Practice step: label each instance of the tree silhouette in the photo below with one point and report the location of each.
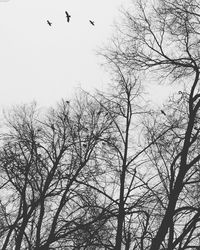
(106, 171)
(41, 168)
(164, 38)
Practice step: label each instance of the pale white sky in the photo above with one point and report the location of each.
(43, 63)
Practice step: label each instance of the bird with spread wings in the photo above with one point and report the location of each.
(49, 23)
(67, 16)
(92, 22)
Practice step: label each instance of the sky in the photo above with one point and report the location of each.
(45, 64)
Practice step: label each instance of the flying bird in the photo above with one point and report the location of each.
(92, 22)
(49, 23)
(163, 112)
(67, 16)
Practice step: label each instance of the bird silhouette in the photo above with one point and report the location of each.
(163, 112)
(67, 16)
(49, 23)
(67, 102)
(92, 22)
(52, 127)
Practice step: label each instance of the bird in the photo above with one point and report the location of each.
(92, 22)
(163, 112)
(52, 127)
(67, 102)
(68, 16)
(49, 23)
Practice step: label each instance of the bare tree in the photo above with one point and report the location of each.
(43, 162)
(103, 171)
(164, 36)
(124, 105)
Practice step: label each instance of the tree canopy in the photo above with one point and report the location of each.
(106, 171)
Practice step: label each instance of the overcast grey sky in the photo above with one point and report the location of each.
(46, 63)
(43, 63)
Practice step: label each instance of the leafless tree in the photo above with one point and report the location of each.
(104, 171)
(124, 105)
(43, 163)
(162, 37)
